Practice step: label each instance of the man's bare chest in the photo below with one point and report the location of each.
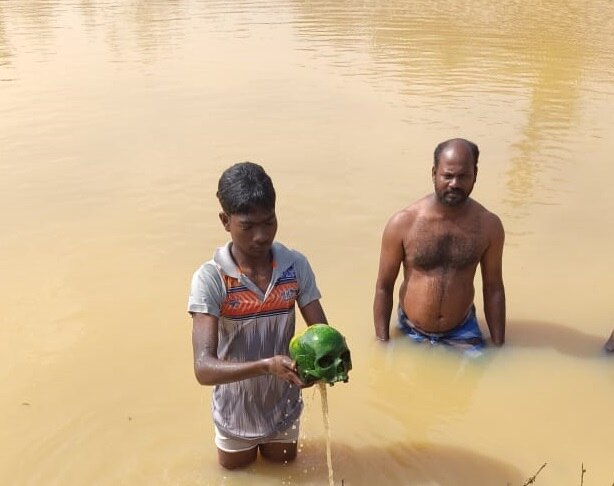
(432, 246)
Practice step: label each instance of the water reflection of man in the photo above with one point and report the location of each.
(440, 240)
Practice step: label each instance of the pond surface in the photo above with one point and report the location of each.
(116, 119)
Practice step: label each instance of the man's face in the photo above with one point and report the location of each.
(454, 175)
(252, 233)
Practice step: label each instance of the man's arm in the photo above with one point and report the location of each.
(492, 280)
(210, 370)
(313, 313)
(391, 256)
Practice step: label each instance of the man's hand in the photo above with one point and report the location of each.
(283, 367)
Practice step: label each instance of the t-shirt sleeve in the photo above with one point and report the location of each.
(308, 290)
(207, 291)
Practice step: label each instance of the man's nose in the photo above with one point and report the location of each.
(454, 182)
(261, 235)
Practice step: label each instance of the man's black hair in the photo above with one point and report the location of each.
(475, 151)
(244, 187)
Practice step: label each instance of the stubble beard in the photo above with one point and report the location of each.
(459, 197)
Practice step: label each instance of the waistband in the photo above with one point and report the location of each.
(404, 321)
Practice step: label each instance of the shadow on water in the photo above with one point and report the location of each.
(566, 340)
(410, 463)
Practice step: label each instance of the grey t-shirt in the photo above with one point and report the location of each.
(254, 325)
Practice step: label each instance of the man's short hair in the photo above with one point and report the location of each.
(244, 187)
(475, 151)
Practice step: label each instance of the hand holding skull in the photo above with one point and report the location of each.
(283, 367)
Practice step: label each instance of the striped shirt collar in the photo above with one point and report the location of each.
(282, 258)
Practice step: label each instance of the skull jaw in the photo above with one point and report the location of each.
(329, 378)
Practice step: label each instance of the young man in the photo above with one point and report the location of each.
(242, 304)
(439, 241)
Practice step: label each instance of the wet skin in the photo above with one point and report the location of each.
(252, 237)
(439, 242)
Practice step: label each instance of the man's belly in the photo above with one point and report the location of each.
(437, 306)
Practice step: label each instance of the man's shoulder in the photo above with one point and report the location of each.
(408, 214)
(285, 256)
(207, 270)
(489, 219)
(485, 212)
(290, 262)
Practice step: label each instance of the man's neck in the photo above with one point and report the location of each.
(247, 263)
(450, 212)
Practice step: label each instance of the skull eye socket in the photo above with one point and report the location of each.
(345, 361)
(325, 361)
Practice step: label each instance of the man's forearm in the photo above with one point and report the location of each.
(382, 309)
(211, 371)
(494, 310)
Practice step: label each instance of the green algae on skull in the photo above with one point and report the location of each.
(321, 354)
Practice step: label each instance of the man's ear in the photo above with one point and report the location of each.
(225, 219)
(475, 174)
(433, 171)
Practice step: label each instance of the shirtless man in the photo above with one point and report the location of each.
(440, 240)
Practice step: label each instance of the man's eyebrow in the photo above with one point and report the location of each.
(265, 220)
(251, 221)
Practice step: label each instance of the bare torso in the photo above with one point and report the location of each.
(441, 254)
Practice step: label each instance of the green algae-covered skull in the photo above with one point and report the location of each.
(321, 354)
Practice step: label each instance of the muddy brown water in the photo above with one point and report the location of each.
(116, 118)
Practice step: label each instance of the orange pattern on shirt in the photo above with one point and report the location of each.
(242, 303)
